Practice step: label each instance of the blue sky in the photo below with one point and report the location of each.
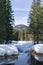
(21, 10)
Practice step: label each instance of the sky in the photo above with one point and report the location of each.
(21, 10)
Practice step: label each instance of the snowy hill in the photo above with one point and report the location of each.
(21, 26)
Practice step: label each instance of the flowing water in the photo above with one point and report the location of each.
(22, 59)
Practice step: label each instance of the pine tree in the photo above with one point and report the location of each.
(41, 24)
(35, 19)
(2, 20)
(9, 20)
(6, 20)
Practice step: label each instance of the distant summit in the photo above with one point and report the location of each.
(21, 26)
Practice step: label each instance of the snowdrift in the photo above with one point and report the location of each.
(8, 49)
(38, 48)
(37, 52)
(15, 47)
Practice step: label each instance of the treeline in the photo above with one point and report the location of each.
(6, 20)
(36, 20)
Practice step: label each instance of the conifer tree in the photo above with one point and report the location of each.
(2, 20)
(6, 20)
(9, 20)
(35, 19)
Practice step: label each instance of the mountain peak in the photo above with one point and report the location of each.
(20, 26)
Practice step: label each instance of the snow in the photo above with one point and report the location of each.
(13, 48)
(8, 49)
(24, 46)
(38, 48)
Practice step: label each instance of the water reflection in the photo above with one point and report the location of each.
(10, 60)
(35, 62)
(9, 64)
(22, 59)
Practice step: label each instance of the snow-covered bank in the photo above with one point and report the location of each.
(13, 48)
(8, 49)
(38, 48)
(37, 52)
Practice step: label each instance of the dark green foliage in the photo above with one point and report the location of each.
(9, 21)
(2, 20)
(5, 21)
(36, 20)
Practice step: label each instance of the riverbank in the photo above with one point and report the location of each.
(15, 47)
